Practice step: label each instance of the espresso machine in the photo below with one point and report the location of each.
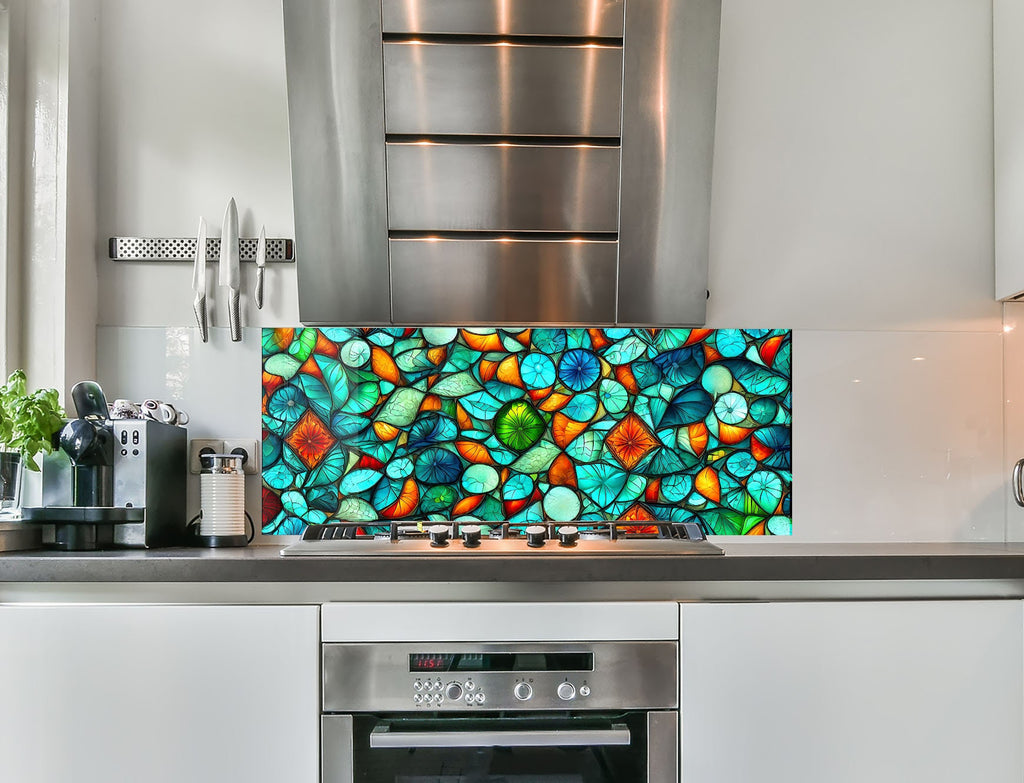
(110, 483)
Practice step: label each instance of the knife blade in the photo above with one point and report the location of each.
(229, 274)
(199, 281)
(261, 262)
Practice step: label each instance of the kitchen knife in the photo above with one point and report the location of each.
(199, 281)
(261, 262)
(229, 275)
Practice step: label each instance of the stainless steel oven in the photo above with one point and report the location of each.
(518, 712)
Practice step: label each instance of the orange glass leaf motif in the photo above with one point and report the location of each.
(431, 402)
(366, 462)
(756, 530)
(630, 441)
(564, 430)
(467, 505)
(385, 431)
(598, 339)
(474, 452)
(326, 347)
(638, 512)
(698, 433)
(539, 395)
(555, 402)
(653, 491)
(513, 507)
(770, 349)
(406, 502)
(271, 383)
(707, 484)
(508, 371)
(696, 336)
(562, 472)
(310, 439)
(730, 434)
(488, 370)
(384, 366)
(437, 355)
(711, 353)
(624, 375)
(524, 337)
(758, 450)
(463, 418)
(283, 338)
(482, 342)
(310, 367)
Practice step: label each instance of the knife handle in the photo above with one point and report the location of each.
(258, 293)
(199, 306)
(234, 317)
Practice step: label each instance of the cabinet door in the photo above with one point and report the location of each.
(162, 694)
(852, 692)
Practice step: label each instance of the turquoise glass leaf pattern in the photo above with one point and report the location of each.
(525, 425)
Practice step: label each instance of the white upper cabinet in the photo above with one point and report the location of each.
(1008, 95)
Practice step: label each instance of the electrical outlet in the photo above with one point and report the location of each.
(250, 451)
(198, 446)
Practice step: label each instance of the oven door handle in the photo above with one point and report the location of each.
(383, 737)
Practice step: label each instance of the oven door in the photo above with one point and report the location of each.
(631, 747)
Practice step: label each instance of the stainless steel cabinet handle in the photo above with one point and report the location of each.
(382, 737)
(1018, 487)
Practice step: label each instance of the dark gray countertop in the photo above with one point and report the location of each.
(744, 561)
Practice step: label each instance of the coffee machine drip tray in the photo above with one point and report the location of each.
(89, 515)
(78, 528)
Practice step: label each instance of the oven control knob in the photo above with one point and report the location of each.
(566, 691)
(584, 690)
(470, 535)
(453, 692)
(438, 535)
(535, 535)
(523, 691)
(568, 535)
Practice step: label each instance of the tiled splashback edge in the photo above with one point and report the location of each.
(528, 424)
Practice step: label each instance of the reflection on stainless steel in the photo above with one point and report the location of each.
(616, 734)
(627, 675)
(593, 18)
(668, 129)
(502, 187)
(493, 281)
(336, 123)
(662, 744)
(336, 749)
(434, 88)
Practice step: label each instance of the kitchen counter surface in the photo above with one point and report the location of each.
(748, 570)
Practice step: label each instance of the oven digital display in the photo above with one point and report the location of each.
(502, 662)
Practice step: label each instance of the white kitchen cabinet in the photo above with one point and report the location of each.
(161, 694)
(907, 692)
(1008, 116)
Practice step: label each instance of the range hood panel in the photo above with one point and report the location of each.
(592, 18)
(506, 90)
(502, 188)
(580, 131)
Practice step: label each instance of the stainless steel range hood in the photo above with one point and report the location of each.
(502, 161)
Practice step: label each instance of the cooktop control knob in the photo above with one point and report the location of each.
(535, 535)
(470, 535)
(438, 535)
(568, 535)
(566, 691)
(522, 691)
(453, 692)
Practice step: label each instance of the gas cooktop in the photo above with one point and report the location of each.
(454, 539)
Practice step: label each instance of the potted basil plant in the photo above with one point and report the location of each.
(28, 423)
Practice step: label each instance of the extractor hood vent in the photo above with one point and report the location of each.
(502, 161)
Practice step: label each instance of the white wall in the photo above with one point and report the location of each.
(852, 203)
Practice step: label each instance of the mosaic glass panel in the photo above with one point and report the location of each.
(528, 425)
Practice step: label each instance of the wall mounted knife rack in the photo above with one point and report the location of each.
(279, 251)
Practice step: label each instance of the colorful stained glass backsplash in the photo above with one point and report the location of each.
(526, 425)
